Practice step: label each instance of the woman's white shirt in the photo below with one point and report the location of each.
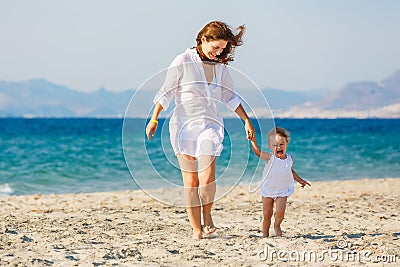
(197, 115)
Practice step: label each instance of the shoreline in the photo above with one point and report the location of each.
(7, 188)
(34, 117)
(128, 228)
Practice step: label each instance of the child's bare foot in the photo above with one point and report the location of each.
(265, 232)
(278, 230)
(197, 235)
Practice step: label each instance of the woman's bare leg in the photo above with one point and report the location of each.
(191, 183)
(206, 173)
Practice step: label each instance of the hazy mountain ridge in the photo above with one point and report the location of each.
(364, 99)
(41, 98)
(359, 95)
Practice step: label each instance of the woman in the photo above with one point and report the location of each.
(199, 80)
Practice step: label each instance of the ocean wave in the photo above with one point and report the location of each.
(5, 190)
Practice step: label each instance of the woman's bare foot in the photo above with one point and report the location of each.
(197, 235)
(209, 229)
(278, 230)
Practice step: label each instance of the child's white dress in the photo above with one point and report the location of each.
(278, 179)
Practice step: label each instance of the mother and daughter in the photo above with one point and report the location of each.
(199, 81)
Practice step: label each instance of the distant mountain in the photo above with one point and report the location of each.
(362, 95)
(358, 99)
(279, 99)
(40, 98)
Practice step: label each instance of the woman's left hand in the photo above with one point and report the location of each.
(249, 128)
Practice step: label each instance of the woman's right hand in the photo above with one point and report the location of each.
(151, 129)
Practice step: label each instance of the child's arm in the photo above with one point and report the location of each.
(299, 180)
(263, 155)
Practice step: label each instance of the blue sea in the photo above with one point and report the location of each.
(93, 155)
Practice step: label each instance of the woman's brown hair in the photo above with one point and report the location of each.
(217, 30)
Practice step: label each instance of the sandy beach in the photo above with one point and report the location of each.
(336, 223)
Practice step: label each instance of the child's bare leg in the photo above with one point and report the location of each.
(280, 203)
(268, 205)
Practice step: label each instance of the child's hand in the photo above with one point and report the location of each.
(253, 137)
(304, 183)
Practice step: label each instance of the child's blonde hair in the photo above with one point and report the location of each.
(279, 131)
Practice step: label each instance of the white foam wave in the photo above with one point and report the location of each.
(5, 190)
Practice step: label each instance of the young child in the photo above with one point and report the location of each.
(278, 178)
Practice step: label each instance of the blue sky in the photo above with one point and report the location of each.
(291, 45)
